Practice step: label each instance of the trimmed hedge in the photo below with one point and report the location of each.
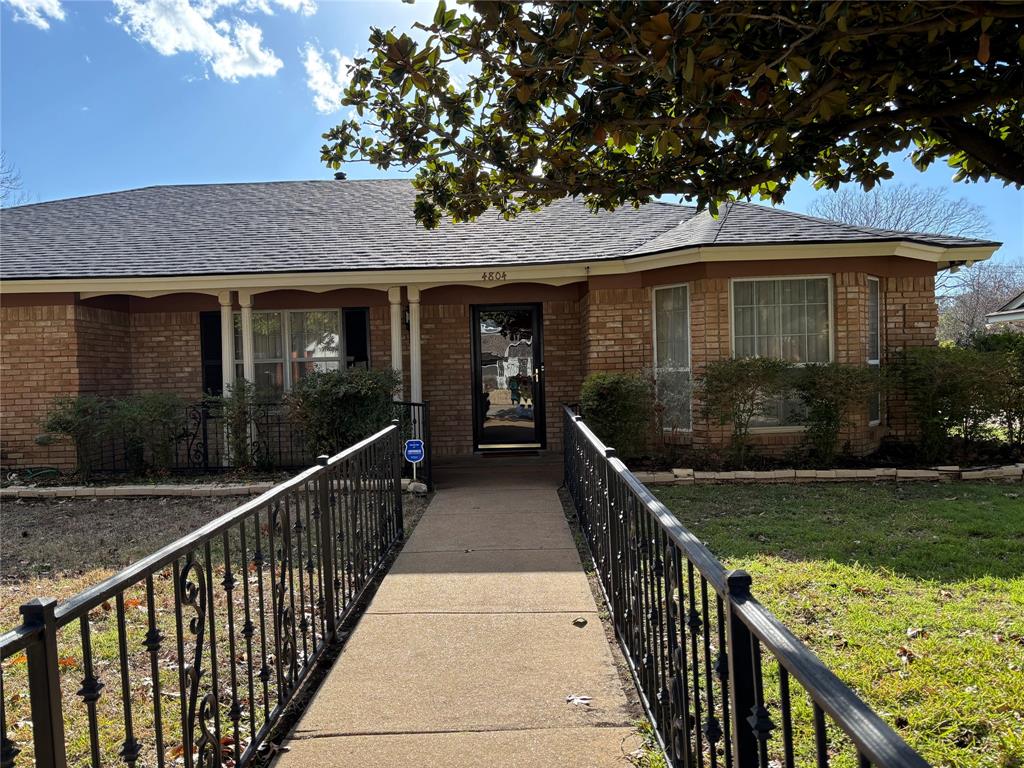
(339, 408)
(619, 408)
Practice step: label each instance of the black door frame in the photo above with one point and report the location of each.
(476, 376)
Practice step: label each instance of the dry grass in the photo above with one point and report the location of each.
(57, 548)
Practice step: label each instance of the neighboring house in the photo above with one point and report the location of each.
(1012, 312)
(188, 288)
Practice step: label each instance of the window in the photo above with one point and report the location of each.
(315, 342)
(288, 345)
(209, 345)
(874, 345)
(786, 318)
(672, 355)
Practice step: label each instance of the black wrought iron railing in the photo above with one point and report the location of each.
(201, 444)
(719, 675)
(190, 655)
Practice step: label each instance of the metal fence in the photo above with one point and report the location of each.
(191, 654)
(722, 680)
(274, 442)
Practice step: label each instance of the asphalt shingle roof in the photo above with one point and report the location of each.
(361, 225)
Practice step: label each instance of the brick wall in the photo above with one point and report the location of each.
(910, 319)
(38, 362)
(615, 328)
(380, 337)
(710, 340)
(562, 364)
(447, 383)
(165, 353)
(104, 351)
(63, 348)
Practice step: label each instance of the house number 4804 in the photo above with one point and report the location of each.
(494, 276)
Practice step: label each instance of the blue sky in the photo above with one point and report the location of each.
(99, 96)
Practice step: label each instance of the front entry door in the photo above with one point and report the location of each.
(508, 377)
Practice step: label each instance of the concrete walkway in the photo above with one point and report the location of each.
(468, 651)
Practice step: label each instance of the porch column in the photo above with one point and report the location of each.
(248, 354)
(395, 297)
(415, 354)
(227, 340)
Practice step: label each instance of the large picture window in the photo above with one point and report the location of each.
(672, 356)
(788, 319)
(288, 345)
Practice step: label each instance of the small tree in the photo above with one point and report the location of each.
(1007, 349)
(339, 408)
(950, 389)
(965, 298)
(830, 392)
(148, 422)
(619, 408)
(737, 390)
(83, 420)
(236, 410)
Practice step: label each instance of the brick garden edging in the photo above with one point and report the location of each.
(141, 491)
(132, 491)
(1012, 472)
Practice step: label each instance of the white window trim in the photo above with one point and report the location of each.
(877, 362)
(689, 343)
(795, 428)
(286, 332)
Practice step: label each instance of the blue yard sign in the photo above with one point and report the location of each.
(414, 451)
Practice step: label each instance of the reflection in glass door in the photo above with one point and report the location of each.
(508, 373)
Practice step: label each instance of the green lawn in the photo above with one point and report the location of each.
(913, 594)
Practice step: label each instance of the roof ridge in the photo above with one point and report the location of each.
(198, 184)
(855, 227)
(721, 220)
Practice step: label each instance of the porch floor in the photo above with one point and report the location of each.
(468, 650)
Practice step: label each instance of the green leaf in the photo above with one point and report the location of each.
(688, 69)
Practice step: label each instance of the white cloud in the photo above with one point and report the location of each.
(233, 49)
(305, 7)
(327, 82)
(38, 13)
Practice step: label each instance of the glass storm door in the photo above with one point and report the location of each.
(508, 377)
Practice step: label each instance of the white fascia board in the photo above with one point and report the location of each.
(550, 274)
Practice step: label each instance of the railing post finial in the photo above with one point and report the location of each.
(609, 453)
(739, 582)
(322, 459)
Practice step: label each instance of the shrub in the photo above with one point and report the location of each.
(737, 390)
(82, 419)
(338, 408)
(951, 388)
(830, 391)
(1008, 348)
(236, 408)
(150, 422)
(619, 408)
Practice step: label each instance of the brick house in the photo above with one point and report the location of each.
(495, 323)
